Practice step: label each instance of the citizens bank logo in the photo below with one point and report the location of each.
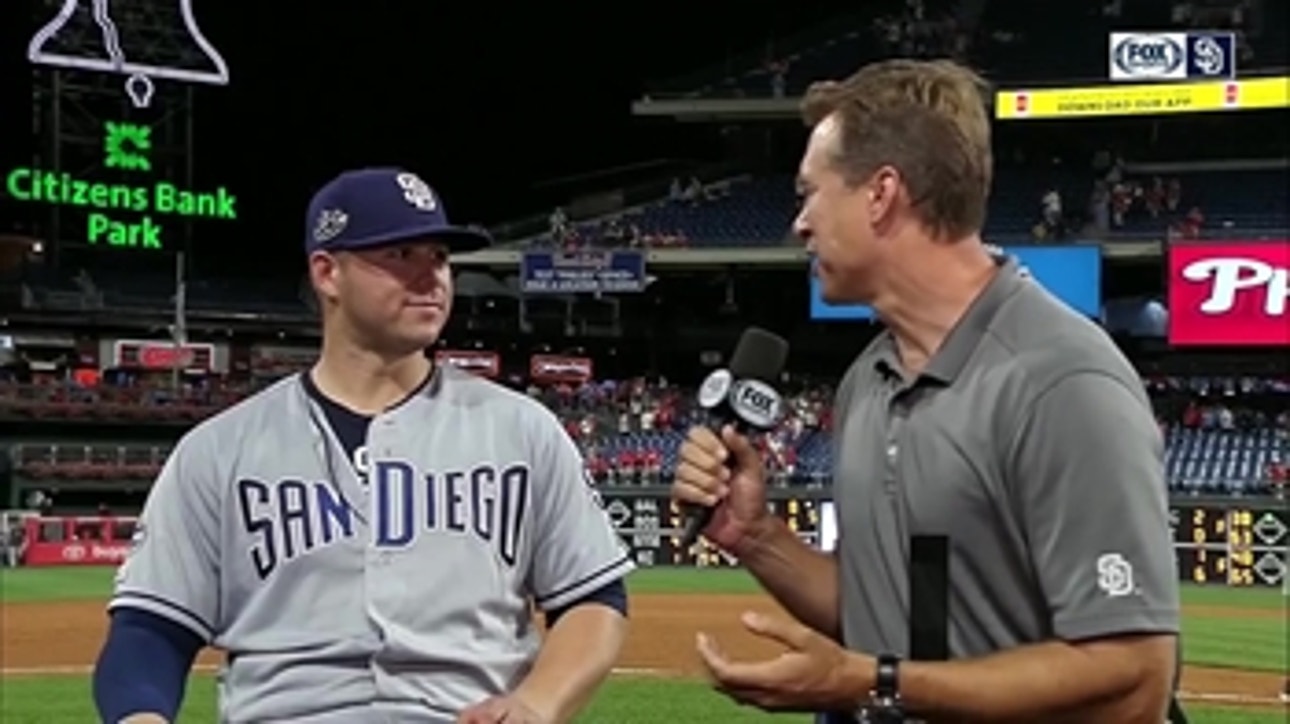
(1171, 56)
(126, 146)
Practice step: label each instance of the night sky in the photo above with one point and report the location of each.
(487, 105)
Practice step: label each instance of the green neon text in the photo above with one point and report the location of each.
(160, 198)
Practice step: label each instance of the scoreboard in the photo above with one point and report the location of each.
(651, 527)
(1219, 542)
(1239, 545)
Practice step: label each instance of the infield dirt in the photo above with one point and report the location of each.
(54, 637)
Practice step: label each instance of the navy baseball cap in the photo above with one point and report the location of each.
(373, 207)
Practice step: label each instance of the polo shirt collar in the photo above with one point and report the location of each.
(954, 353)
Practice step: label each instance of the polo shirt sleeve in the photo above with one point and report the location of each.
(1088, 479)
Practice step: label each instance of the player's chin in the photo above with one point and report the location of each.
(420, 335)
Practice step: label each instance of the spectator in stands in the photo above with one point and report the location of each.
(1173, 195)
(558, 226)
(1115, 173)
(1051, 214)
(693, 193)
(651, 465)
(1099, 207)
(614, 234)
(778, 72)
(558, 221)
(1189, 227)
(1278, 473)
(1121, 202)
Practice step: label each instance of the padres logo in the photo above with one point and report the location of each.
(416, 191)
(1114, 575)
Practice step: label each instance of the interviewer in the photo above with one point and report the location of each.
(987, 413)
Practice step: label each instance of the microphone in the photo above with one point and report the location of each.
(740, 395)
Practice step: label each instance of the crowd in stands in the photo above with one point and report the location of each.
(622, 231)
(1013, 44)
(1120, 202)
(1028, 204)
(1223, 435)
(629, 431)
(147, 398)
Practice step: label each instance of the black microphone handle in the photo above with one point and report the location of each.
(699, 516)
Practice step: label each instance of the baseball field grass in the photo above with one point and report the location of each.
(1235, 648)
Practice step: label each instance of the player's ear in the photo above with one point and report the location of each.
(323, 268)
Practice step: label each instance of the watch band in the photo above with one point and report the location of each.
(884, 700)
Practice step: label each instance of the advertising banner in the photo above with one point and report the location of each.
(76, 553)
(276, 360)
(1142, 99)
(476, 361)
(146, 354)
(1071, 273)
(1229, 294)
(582, 272)
(560, 368)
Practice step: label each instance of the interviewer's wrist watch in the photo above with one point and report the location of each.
(884, 700)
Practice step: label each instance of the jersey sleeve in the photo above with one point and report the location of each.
(172, 569)
(1088, 475)
(576, 549)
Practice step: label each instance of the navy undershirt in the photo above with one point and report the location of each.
(350, 427)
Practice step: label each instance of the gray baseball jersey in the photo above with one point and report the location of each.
(1029, 441)
(404, 597)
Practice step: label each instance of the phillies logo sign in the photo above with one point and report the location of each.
(1229, 294)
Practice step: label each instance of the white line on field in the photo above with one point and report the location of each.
(1217, 697)
(206, 668)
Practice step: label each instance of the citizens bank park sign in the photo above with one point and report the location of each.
(131, 213)
(134, 209)
(1229, 294)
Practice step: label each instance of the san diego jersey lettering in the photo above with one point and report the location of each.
(291, 518)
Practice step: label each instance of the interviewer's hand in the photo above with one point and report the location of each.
(737, 490)
(813, 673)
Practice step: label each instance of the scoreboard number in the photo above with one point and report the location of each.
(1245, 546)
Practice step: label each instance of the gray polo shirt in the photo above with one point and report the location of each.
(1029, 441)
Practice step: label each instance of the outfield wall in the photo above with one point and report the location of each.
(1223, 541)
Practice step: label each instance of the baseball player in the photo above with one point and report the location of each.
(365, 540)
(1004, 551)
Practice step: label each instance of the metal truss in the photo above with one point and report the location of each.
(71, 105)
